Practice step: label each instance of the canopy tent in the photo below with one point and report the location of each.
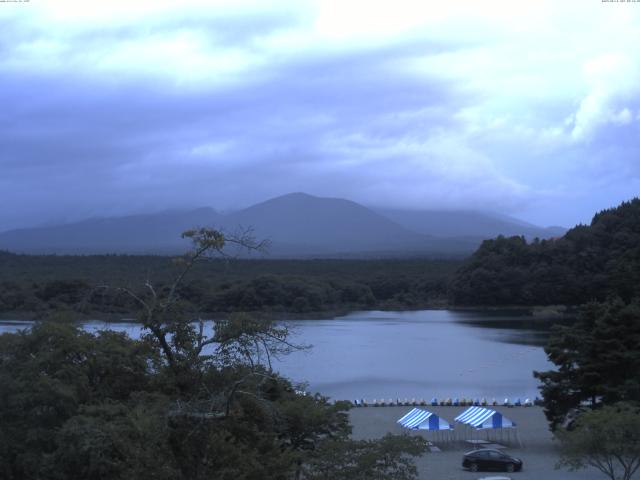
(482, 418)
(418, 419)
(494, 425)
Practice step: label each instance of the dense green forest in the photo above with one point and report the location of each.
(588, 263)
(96, 407)
(175, 404)
(41, 284)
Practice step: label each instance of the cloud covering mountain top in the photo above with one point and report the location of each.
(118, 107)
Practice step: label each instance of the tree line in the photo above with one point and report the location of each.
(41, 284)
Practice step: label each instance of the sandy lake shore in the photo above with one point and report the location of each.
(538, 451)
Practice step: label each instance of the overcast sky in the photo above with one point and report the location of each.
(529, 108)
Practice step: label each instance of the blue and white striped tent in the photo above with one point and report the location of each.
(483, 418)
(418, 419)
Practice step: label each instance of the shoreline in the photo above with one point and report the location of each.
(529, 313)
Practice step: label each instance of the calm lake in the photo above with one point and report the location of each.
(411, 354)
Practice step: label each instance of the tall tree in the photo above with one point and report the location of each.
(597, 359)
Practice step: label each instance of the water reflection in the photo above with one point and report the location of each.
(513, 326)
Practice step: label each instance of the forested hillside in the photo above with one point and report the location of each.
(590, 262)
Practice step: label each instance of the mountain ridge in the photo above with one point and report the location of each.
(297, 224)
(453, 223)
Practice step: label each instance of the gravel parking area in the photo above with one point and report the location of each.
(538, 451)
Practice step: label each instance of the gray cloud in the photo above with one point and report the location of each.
(88, 128)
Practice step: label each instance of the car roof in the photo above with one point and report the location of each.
(478, 450)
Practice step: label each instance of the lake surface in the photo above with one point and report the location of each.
(414, 354)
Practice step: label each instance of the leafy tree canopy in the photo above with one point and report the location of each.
(588, 263)
(607, 439)
(176, 404)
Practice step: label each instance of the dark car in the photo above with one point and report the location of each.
(487, 459)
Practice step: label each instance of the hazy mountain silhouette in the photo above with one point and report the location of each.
(455, 223)
(151, 233)
(297, 225)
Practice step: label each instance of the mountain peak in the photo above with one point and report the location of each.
(302, 197)
(295, 195)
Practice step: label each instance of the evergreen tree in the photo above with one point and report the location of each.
(597, 359)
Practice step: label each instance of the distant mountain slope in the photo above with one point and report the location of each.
(587, 263)
(297, 224)
(455, 223)
(326, 225)
(152, 233)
